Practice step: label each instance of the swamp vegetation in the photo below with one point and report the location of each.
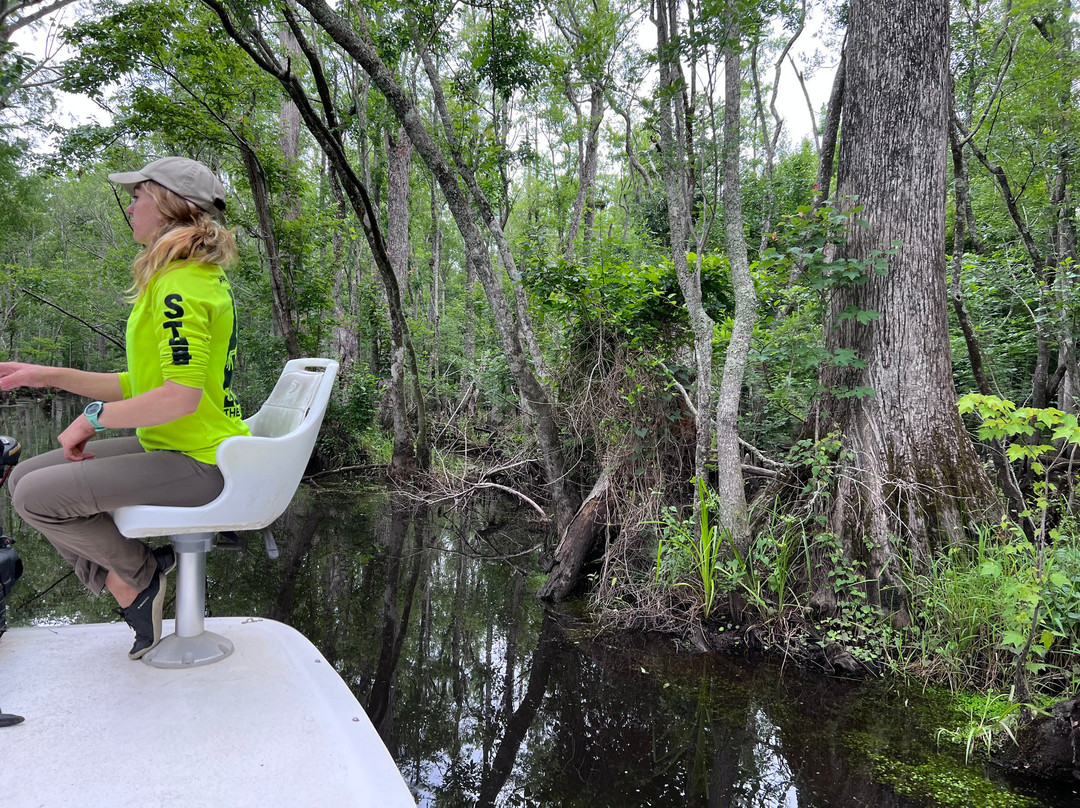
(814, 394)
(486, 697)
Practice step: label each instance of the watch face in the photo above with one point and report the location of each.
(93, 408)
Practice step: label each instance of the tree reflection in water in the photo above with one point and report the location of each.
(485, 699)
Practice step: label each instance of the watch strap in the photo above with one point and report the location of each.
(92, 411)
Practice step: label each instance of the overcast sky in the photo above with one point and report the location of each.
(791, 103)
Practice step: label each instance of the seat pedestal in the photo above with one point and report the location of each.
(191, 645)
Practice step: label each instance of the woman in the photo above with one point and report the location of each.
(181, 348)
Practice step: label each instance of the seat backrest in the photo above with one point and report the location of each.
(287, 405)
(262, 471)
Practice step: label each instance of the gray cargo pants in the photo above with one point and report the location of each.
(68, 503)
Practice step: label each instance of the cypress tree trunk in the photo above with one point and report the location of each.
(908, 478)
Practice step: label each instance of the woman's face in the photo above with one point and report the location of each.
(145, 216)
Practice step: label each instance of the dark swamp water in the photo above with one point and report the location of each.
(486, 699)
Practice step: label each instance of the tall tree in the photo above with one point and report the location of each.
(908, 479)
(677, 169)
(729, 485)
(323, 123)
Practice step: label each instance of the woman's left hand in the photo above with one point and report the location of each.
(75, 437)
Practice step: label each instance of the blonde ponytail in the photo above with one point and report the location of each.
(188, 234)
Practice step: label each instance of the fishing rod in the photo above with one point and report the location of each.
(11, 566)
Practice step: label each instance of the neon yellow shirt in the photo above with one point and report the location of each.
(183, 329)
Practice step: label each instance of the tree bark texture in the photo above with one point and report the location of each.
(908, 478)
(399, 162)
(729, 485)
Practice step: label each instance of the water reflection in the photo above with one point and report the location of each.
(485, 699)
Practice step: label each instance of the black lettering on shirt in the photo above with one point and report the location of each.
(230, 406)
(173, 312)
(180, 353)
(173, 309)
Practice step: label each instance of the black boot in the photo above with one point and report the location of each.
(144, 616)
(165, 557)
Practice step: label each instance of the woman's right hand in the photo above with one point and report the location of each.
(22, 374)
(75, 437)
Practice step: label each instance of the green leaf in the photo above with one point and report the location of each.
(1013, 639)
(844, 357)
(864, 317)
(1048, 417)
(990, 569)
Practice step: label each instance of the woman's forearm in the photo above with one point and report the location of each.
(102, 386)
(154, 407)
(157, 406)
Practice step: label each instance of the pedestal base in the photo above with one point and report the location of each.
(189, 652)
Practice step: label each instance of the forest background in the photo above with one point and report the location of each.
(720, 366)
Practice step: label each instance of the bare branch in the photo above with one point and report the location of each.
(76, 317)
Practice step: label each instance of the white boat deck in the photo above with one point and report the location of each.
(271, 725)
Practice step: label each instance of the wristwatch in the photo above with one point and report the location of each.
(92, 411)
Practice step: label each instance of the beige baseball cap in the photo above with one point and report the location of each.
(187, 178)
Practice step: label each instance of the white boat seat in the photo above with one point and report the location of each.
(261, 475)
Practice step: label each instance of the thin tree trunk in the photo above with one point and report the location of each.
(344, 339)
(677, 184)
(730, 489)
(830, 132)
(399, 161)
(283, 310)
(961, 191)
(770, 142)
(584, 210)
(435, 305)
(628, 144)
(506, 254)
(1005, 478)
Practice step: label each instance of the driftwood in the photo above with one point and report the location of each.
(578, 540)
